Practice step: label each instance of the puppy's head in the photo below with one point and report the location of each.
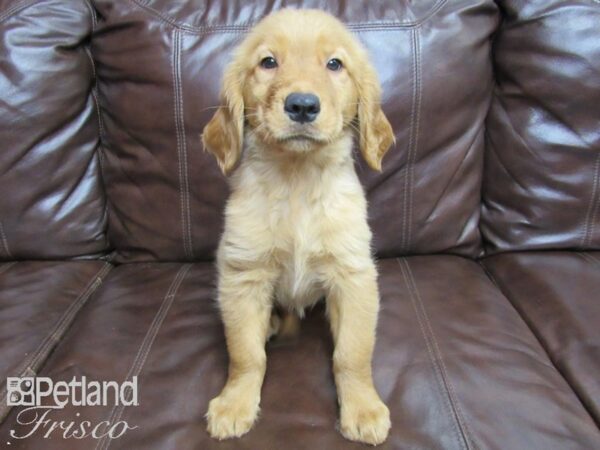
(298, 82)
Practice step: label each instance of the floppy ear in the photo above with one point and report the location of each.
(223, 135)
(376, 134)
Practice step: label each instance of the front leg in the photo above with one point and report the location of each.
(245, 299)
(352, 306)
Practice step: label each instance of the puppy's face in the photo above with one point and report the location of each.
(298, 91)
(298, 82)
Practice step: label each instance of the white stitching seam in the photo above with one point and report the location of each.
(4, 241)
(144, 349)
(181, 146)
(15, 9)
(5, 267)
(406, 168)
(461, 431)
(407, 209)
(416, 137)
(32, 364)
(589, 225)
(469, 439)
(174, 65)
(94, 92)
(92, 13)
(243, 27)
(185, 156)
(589, 258)
(593, 258)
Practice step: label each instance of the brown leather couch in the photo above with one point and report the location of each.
(486, 220)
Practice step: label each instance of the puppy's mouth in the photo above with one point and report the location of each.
(301, 138)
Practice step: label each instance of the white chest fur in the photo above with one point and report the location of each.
(296, 222)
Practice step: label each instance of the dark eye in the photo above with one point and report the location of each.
(268, 63)
(334, 64)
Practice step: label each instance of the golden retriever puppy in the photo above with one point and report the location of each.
(297, 91)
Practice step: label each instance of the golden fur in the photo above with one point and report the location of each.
(296, 221)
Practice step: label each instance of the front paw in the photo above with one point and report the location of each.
(230, 417)
(365, 421)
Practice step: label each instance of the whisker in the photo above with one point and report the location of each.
(352, 126)
(365, 103)
(213, 107)
(224, 106)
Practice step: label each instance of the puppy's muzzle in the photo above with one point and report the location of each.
(302, 107)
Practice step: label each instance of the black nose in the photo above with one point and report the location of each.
(302, 107)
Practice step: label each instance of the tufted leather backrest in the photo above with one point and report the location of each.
(159, 66)
(127, 122)
(52, 202)
(542, 171)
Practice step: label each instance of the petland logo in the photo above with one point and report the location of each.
(41, 397)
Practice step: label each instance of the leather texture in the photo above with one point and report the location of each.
(542, 170)
(557, 295)
(480, 380)
(52, 202)
(495, 108)
(166, 195)
(38, 302)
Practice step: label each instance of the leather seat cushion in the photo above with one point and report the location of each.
(38, 303)
(454, 361)
(557, 294)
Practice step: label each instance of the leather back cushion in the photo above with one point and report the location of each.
(542, 171)
(159, 66)
(52, 202)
